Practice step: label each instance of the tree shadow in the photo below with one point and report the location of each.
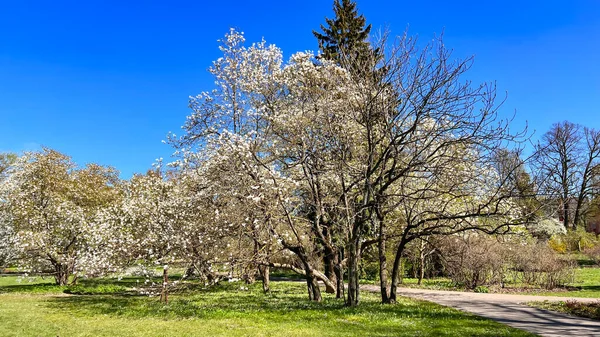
(229, 300)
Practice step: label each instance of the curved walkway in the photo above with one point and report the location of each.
(508, 309)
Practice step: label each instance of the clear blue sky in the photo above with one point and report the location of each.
(105, 81)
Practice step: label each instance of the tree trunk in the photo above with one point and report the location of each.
(382, 264)
(353, 277)
(396, 270)
(330, 261)
(61, 275)
(266, 281)
(421, 261)
(164, 295)
(339, 278)
(314, 292)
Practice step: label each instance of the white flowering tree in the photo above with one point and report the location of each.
(233, 128)
(52, 209)
(324, 158)
(8, 251)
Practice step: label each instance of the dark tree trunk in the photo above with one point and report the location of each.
(330, 261)
(353, 276)
(383, 279)
(339, 275)
(566, 210)
(314, 292)
(62, 272)
(396, 270)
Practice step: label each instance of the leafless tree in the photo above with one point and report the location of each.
(565, 159)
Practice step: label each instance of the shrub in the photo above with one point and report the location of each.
(473, 260)
(578, 240)
(539, 265)
(594, 254)
(558, 244)
(545, 228)
(482, 289)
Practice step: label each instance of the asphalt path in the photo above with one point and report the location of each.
(510, 310)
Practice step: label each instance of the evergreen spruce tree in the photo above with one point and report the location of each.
(344, 38)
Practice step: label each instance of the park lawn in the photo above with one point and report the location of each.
(439, 283)
(110, 308)
(587, 284)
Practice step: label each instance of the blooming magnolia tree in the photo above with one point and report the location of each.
(51, 207)
(8, 250)
(324, 160)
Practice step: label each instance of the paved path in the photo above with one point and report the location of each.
(508, 309)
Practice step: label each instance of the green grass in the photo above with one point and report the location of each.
(574, 308)
(587, 284)
(440, 283)
(110, 308)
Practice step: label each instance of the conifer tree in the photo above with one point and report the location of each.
(344, 38)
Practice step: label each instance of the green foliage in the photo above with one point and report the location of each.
(440, 283)
(229, 310)
(481, 289)
(574, 241)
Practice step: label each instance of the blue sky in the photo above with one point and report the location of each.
(105, 81)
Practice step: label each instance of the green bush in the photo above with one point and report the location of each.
(574, 241)
(482, 289)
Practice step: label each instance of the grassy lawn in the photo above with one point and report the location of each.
(110, 308)
(440, 283)
(587, 284)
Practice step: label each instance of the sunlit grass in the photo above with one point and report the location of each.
(587, 284)
(110, 308)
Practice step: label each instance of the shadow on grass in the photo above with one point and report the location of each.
(588, 288)
(584, 261)
(31, 288)
(112, 286)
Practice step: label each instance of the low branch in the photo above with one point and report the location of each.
(320, 276)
